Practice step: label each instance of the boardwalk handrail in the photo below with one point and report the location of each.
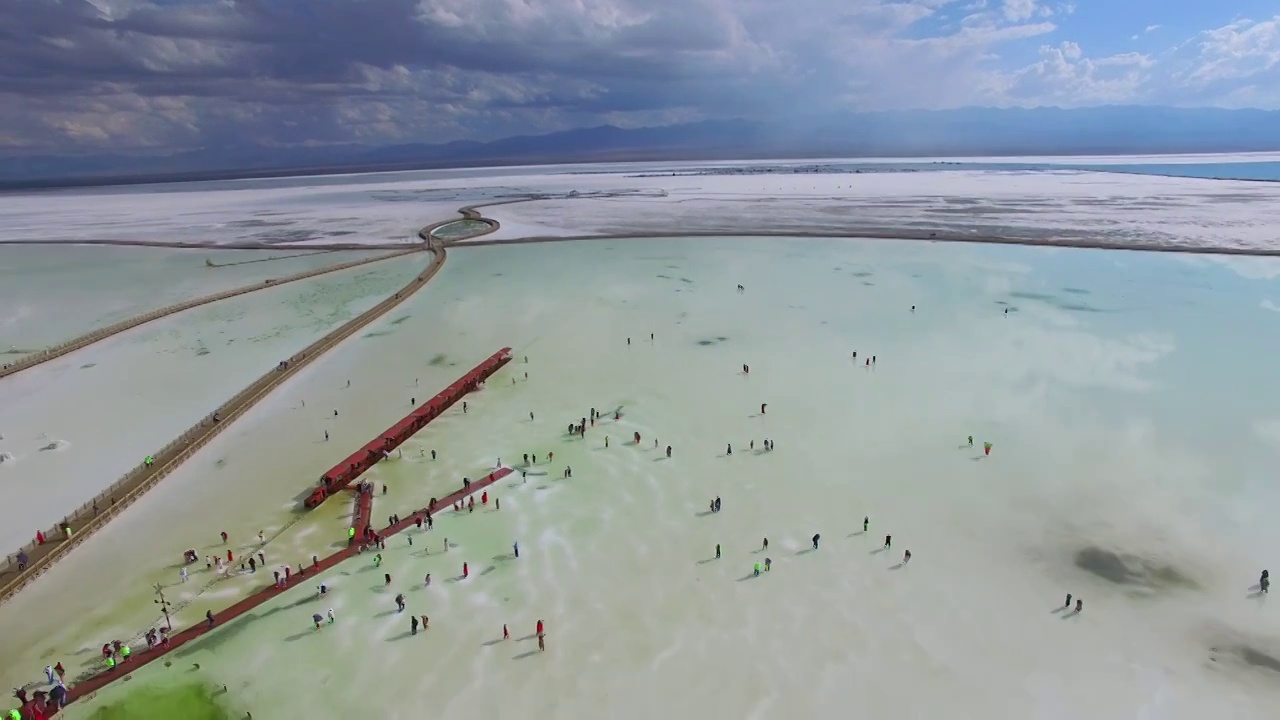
(141, 478)
(85, 688)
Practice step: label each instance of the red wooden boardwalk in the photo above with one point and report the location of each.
(344, 474)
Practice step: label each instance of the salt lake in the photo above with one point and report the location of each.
(1126, 396)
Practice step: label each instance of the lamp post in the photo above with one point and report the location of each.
(164, 606)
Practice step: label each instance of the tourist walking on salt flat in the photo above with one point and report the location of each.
(866, 523)
(183, 574)
(888, 541)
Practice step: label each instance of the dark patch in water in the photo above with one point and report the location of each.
(86, 366)
(1258, 659)
(1075, 291)
(1001, 302)
(377, 333)
(1033, 296)
(1131, 570)
(259, 223)
(1250, 656)
(713, 341)
(202, 351)
(863, 274)
(686, 280)
(665, 277)
(1075, 307)
(438, 359)
(401, 319)
(869, 284)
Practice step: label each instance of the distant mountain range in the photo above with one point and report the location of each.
(970, 131)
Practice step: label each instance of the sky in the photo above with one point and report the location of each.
(164, 75)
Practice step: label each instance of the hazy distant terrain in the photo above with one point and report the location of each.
(974, 131)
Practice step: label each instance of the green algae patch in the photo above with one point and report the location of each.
(189, 701)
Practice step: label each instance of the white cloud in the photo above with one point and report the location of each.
(1236, 65)
(1019, 10)
(1268, 305)
(1269, 432)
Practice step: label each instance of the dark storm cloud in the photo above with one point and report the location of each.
(276, 68)
(174, 73)
(190, 49)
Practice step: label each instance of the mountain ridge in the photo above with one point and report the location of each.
(989, 132)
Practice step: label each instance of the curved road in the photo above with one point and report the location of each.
(94, 515)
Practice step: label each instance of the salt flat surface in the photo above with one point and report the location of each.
(74, 425)
(1127, 397)
(49, 294)
(1161, 159)
(1103, 208)
(319, 212)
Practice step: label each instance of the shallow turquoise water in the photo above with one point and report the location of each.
(1128, 396)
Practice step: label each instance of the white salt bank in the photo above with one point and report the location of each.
(72, 426)
(51, 293)
(1126, 398)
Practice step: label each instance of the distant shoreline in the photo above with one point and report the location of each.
(911, 236)
(51, 184)
(869, 234)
